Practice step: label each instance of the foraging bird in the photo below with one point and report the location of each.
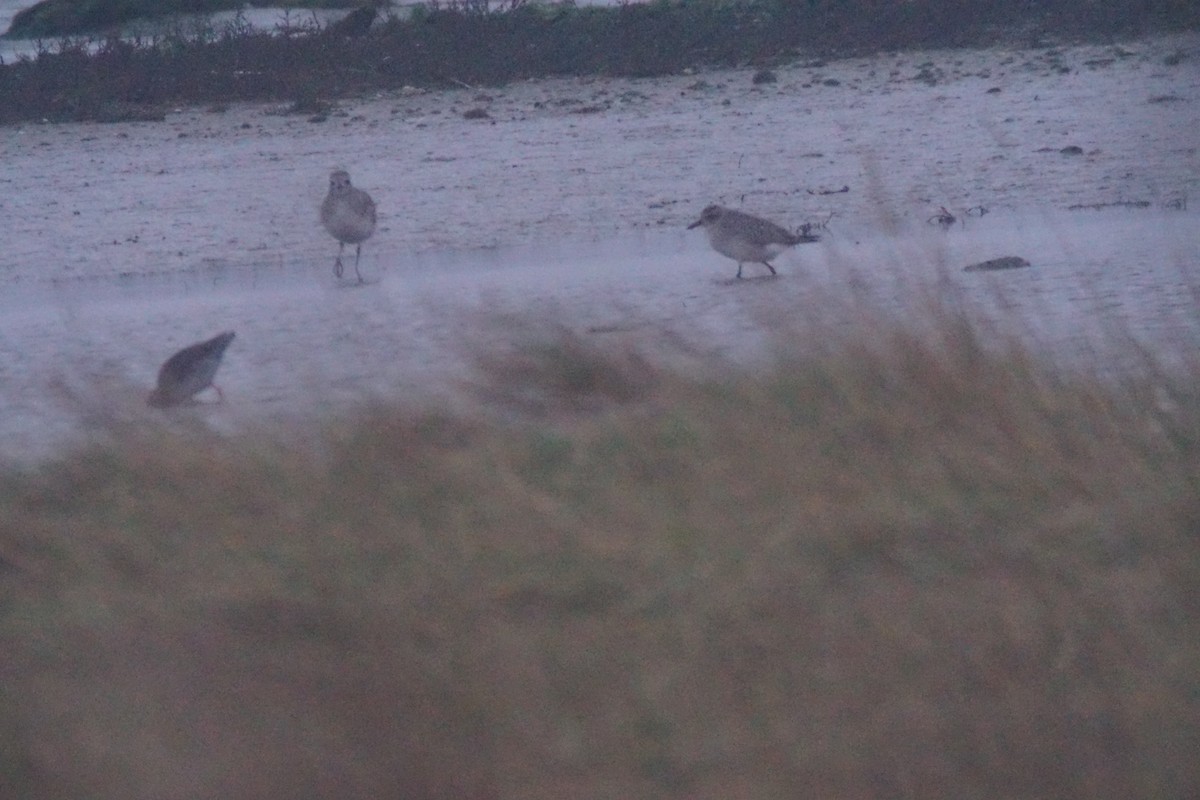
(348, 213)
(189, 372)
(745, 237)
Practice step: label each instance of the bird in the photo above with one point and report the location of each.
(745, 237)
(189, 372)
(356, 23)
(348, 213)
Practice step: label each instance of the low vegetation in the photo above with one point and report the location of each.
(69, 17)
(465, 42)
(900, 565)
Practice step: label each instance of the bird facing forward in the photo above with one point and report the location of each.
(348, 213)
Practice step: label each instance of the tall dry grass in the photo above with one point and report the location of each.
(898, 565)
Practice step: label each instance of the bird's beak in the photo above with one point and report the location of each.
(696, 224)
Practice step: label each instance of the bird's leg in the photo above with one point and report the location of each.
(739, 269)
(220, 394)
(773, 272)
(337, 264)
(357, 253)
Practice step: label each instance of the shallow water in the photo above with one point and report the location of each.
(128, 241)
(268, 19)
(262, 19)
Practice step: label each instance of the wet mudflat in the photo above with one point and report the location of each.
(568, 200)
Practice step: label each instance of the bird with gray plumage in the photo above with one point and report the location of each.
(189, 372)
(348, 213)
(745, 237)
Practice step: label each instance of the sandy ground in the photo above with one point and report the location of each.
(569, 200)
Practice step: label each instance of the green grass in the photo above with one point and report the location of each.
(910, 566)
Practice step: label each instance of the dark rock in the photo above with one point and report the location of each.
(1113, 204)
(308, 104)
(763, 76)
(994, 264)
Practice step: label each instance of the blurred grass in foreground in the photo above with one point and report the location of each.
(890, 566)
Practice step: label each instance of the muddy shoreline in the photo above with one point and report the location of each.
(571, 197)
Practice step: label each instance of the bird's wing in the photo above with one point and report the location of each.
(188, 359)
(363, 204)
(764, 229)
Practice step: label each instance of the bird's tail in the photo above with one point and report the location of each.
(805, 235)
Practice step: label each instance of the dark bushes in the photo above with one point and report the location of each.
(464, 45)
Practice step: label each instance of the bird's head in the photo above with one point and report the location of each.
(339, 181)
(707, 217)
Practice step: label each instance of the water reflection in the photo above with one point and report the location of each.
(281, 20)
(189, 25)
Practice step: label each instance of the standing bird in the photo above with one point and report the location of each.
(189, 372)
(348, 214)
(744, 237)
